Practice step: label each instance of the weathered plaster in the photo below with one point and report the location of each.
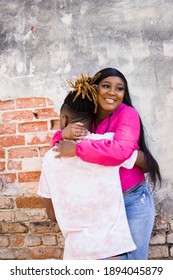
(43, 43)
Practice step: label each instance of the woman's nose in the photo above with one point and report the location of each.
(112, 91)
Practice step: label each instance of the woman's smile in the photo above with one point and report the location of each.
(111, 101)
(110, 93)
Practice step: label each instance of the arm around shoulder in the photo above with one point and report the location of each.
(126, 126)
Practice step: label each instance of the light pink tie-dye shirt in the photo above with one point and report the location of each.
(88, 204)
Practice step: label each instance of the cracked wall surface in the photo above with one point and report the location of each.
(44, 43)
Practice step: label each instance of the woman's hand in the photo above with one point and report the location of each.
(65, 148)
(75, 131)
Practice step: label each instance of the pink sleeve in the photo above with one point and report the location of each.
(113, 152)
(57, 137)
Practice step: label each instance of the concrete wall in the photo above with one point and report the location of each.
(43, 43)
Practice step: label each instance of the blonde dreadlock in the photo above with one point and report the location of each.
(84, 86)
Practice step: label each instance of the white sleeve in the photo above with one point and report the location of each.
(130, 162)
(43, 187)
(95, 136)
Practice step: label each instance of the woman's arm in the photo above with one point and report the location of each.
(103, 149)
(57, 137)
(68, 149)
(113, 152)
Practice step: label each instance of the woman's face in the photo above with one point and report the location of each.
(110, 94)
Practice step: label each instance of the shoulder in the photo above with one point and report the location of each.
(126, 110)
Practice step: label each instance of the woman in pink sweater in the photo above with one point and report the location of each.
(115, 113)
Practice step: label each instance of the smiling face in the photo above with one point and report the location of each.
(110, 95)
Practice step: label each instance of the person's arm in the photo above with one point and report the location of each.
(57, 137)
(44, 192)
(49, 209)
(113, 152)
(68, 149)
(141, 162)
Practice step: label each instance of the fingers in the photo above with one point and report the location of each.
(79, 129)
(80, 133)
(74, 130)
(80, 124)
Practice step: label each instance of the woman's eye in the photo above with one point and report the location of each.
(119, 89)
(105, 85)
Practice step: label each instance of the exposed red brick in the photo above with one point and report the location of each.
(17, 240)
(29, 176)
(14, 165)
(7, 105)
(12, 140)
(2, 166)
(44, 139)
(23, 152)
(45, 113)
(31, 102)
(2, 153)
(44, 227)
(50, 102)
(26, 122)
(29, 202)
(13, 227)
(45, 253)
(8, 178)
(33, 126)
(17, 116)
(7, 128)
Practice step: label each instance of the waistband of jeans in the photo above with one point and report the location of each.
(133, 188)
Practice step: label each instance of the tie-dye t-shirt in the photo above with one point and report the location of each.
(88, 204)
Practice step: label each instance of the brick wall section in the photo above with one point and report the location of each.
(26, 128)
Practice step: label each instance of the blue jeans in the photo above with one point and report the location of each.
(140, 215)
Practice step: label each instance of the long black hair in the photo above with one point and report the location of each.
(153, 167)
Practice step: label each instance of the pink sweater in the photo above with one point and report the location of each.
(124, 122)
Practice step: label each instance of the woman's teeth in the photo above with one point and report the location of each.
(110, 100)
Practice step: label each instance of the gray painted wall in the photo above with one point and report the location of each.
(43, 43)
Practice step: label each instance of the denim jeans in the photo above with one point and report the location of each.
(140, 215)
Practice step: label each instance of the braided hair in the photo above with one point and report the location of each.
(81, 101)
